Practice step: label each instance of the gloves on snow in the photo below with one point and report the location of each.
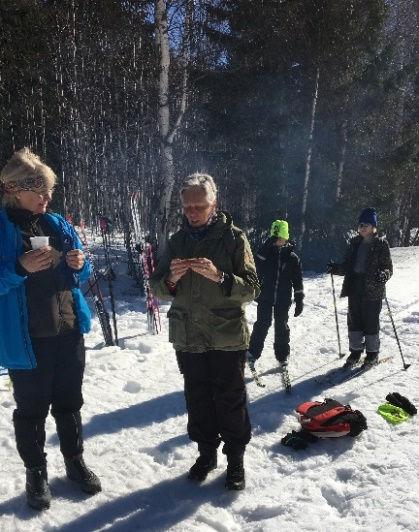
(298, 440)
(402, 402)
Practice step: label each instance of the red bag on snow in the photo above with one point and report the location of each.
(330, 419)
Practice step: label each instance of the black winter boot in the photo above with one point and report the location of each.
(203, 465)
(78, 472)
(70, 432)
(38, 494)
(235, 479)
(370, 360)
(283, 365)
(352, 359)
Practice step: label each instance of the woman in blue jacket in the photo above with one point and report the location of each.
(43, 316)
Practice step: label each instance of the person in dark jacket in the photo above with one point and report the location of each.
(367, 267)
(209, 272)
(279, 269)
(43, 316)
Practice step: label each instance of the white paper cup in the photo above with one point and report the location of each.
(39, 241)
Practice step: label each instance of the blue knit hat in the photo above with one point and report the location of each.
(368, 216)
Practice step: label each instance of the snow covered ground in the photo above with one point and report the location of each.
(135, 433)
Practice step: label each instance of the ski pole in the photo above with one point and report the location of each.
(341, 355)
(112, 298)
(405, 366)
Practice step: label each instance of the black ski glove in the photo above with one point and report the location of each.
(298, 440)
(266, 247)
(332, 267)
(299, 305)
(381, 276)
(403, 402)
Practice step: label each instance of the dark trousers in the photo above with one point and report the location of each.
(363, 319)
(56, 382)
(265, 312)
(216, 400)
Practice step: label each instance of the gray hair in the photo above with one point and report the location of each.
(203, 181)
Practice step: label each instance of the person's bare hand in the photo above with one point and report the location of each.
(75, 259)
(178, 268)
(206, 268)
(37, 260)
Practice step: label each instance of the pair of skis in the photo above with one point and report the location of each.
(153, 311)
(105, 229)
(340, 375)
(285, 378)
(110, 337)
(146, 263)
(334, 377)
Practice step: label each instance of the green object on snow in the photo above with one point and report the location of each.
(393, 414)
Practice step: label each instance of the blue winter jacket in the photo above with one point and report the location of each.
(15, 344)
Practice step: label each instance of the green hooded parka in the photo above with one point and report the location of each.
(206, 315)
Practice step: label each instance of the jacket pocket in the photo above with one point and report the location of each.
(228, 328)
(177, 330)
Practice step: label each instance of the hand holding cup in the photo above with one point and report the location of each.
(37, 260)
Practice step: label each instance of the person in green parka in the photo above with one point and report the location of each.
(209, 272)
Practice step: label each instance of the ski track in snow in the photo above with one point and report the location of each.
(135, 432)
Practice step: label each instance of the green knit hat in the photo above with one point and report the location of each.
(279, 229)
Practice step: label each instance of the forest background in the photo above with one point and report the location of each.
(301, 109)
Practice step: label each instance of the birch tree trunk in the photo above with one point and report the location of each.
(307, 173)
(167, 132)
(402, 200)
(339, 181)
(341, 166)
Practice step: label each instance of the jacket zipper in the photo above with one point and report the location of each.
(278, 274)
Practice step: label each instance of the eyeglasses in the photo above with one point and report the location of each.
(188, 209)
(41, 192)
(364, 225)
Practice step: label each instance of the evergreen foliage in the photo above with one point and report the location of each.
(279, 93)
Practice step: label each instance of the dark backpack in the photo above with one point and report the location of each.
(330, 419)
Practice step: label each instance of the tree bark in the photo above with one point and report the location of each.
(167, 132)
(307, 173)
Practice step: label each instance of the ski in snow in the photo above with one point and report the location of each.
(342, 374)
(286, 381)
(255, 374)
(361, 370)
